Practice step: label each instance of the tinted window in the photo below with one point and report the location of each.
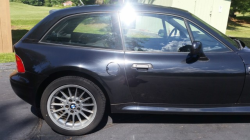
(209, 43)
(155, 33)
(92, 30)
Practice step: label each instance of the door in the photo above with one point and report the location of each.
(158, 69)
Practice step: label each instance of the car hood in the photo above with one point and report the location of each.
(245, 55)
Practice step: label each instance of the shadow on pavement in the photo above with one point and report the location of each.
(36, 112)
(16, 123)
(179, 119)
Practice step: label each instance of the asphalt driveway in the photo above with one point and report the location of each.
(19, 120)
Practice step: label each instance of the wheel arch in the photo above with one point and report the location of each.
(64, 73)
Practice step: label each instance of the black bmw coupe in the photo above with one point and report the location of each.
(78, 63)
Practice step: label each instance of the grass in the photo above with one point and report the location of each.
(25, 16)
(240, 27)
(7, 57)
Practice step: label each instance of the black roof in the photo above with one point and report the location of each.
(113, 8)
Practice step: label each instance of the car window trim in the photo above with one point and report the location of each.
(86, 13)
(205, 32)
(83, 47)
(185, 20)
(189, 31)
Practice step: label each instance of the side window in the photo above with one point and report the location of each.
(155, 33)
(209, 43)
(91, 30)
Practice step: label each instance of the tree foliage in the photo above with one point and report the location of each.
(33, 2)
(241, 6)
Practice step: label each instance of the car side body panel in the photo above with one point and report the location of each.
(245, 97)
(46, 60)
(173, 80)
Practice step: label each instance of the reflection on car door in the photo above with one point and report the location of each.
(158, 75)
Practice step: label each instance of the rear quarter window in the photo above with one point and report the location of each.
(88, 30)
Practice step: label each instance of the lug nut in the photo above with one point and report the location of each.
(77, 102)
(67, 106)
(72, 111)
(78, 108)
(70, 100)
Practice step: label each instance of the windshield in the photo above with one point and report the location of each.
(220, 33)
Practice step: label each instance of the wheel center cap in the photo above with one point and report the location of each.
(72, 106)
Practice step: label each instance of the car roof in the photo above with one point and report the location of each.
(115, 8)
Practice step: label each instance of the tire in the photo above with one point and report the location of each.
(86, 98)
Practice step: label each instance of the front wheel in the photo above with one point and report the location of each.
(73, 105)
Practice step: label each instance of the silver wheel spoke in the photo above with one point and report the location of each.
(67, 118)
(58, 110)
(81, 95)
(60, 99)
(83, 105)
(84, 115)
(84, 109)
(75, 93)
(57, 104)
(73, 120)
(61, 115)
(70, 94)
(86, 99)
(79, 118)
(64, 95)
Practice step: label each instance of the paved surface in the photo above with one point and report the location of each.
(18, 120)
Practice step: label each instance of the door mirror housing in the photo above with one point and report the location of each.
(196, 48)
(197, 51)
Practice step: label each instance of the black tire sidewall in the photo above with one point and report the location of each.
(90, 86)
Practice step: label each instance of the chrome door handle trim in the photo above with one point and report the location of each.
(142, 66)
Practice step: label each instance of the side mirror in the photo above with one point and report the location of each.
(196, 48)
(196, 51)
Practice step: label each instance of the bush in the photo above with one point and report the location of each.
(15, 1)
(33, 2)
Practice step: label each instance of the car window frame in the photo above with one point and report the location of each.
(205, 31)
(87, 46)
(177, 16)
(186, 20)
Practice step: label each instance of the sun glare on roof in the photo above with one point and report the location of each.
(128, 14)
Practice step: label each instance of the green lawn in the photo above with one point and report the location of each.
(240, 27)
(25, 16)
(7, 57)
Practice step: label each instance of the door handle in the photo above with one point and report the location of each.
(142, 66)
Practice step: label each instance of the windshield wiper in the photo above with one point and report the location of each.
(239, 42)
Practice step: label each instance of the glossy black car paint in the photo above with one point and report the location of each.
(221, 81)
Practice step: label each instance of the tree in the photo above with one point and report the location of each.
(241, 6)
(33, 2)
(48, 3)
